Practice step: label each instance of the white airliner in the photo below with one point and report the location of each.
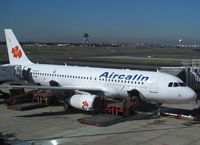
(89, 83)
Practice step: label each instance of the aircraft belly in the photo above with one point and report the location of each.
(42, 81)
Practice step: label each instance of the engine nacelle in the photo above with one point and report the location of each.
(86, 102)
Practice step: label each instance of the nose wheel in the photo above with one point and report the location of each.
(158, 111)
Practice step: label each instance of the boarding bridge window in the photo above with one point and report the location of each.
(170, 84)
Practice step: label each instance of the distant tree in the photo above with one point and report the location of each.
(85, 37)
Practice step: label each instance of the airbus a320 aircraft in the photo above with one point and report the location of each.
(89, 83)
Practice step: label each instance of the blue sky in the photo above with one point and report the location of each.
(153, 21)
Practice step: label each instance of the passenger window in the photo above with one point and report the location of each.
(170, 84)
(176, 85)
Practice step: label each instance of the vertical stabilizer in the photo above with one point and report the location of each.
(15, 52)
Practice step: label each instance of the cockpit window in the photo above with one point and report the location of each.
(176, 85)
(170, 84)
(181, 84)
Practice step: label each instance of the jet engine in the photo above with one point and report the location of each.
(85, 102)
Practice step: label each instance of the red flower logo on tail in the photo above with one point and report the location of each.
(17, 53)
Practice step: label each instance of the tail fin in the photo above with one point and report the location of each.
(15, 52)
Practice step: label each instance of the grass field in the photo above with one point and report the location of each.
(132, 61)
(89, 54)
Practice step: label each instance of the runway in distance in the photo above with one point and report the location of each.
(87, 84)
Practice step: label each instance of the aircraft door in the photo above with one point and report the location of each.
(26, 73)
(154, 84)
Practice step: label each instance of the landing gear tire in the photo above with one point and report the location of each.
(66, 106)
(158, 111)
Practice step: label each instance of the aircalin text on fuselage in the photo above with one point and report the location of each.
(85, 82)
(114, 75)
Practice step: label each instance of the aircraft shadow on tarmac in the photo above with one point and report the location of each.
(144, 107)
(57, 113)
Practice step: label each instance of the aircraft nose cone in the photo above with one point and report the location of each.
(190, 95)
(194, 95)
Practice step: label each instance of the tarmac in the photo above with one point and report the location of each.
(52, 126)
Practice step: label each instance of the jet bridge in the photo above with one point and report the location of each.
(10, 73)
(189, 72)
(192, 68)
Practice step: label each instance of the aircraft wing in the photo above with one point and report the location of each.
(88, 88)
